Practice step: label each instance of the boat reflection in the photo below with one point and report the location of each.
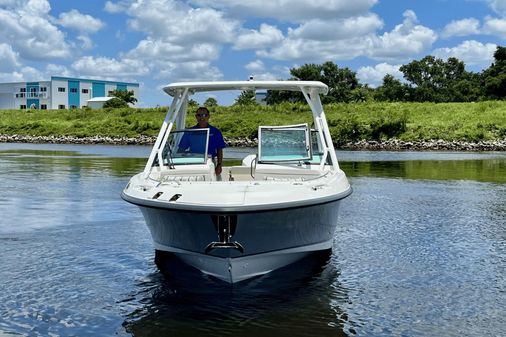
(182, 301)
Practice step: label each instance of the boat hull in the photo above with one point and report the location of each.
(257, 242)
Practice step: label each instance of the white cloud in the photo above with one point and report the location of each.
(322, 30)
(8, 58)
(494, 26)
(266, 37)
(349, 38)
(57, 70)
(24, 74)
(116, 7)
(471, 52)
(292, 10)
(81, 22)
(108, 67)
(255, 66)
(181, 41)
(187, 71)
(498, 5)
(405, 40)
(86, 41)
(156, 51)
(266, 76)
(28, 29)
(298, 49)
(173, 21)
(374, 75)
(461, 28)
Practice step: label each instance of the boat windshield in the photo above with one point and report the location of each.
(185, 147)
(284, 143)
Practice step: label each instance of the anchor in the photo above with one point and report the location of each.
(225, 226)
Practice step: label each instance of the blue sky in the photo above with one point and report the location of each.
(155, 42)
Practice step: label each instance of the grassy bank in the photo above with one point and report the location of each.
(348, 122)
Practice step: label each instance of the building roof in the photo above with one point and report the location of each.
(99, 99)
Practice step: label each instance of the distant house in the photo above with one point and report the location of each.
(97, 102)
(58, 93)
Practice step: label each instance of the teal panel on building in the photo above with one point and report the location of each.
(74, 94)
(121, 87)
(98, 89)
(32, 95)
(32, 103)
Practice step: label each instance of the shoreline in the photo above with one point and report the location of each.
(386, 145)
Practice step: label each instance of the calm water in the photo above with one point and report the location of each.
(420, 251)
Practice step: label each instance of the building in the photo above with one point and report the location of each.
(260, 97)
(58, 93)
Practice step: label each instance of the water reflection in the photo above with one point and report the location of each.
(486, 170)
(44, 161)
(299, 300)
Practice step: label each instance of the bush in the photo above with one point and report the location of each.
(115, 103)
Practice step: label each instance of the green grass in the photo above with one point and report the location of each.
(347, 122)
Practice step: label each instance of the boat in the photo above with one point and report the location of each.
(279, 205)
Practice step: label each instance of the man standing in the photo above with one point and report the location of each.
(216, 142)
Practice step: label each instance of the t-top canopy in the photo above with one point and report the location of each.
(194, 87)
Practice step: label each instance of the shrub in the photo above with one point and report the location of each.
(115, 103)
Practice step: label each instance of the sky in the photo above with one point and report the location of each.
(156, 42)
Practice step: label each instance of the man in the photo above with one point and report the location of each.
(216, 142)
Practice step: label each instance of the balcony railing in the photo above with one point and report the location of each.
(32, 95)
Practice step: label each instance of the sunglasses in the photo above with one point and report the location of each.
(203, 115)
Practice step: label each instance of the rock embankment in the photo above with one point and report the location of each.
(141, 140)
(391, 144)
(422, 145)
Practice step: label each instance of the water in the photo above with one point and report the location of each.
(420, 251)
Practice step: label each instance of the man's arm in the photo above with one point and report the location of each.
(219, 161)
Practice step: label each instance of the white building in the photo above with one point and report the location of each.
(58, 93)
(97, 102)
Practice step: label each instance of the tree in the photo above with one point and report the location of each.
(434, 80)
(341, 83)
(247, 97)
(495, 76)
(211, 101)
(127, 96)
(362, 93)
(115, 102)
(392, 90)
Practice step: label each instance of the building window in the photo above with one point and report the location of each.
(22, 107)
(73, 90)
(61, 106)
(60, 89)
(43, 106)
(85, 91)
(73, 107)
(110, 92)
(22, 89)
(43, 89)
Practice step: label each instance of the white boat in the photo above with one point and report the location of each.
(275, 208)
